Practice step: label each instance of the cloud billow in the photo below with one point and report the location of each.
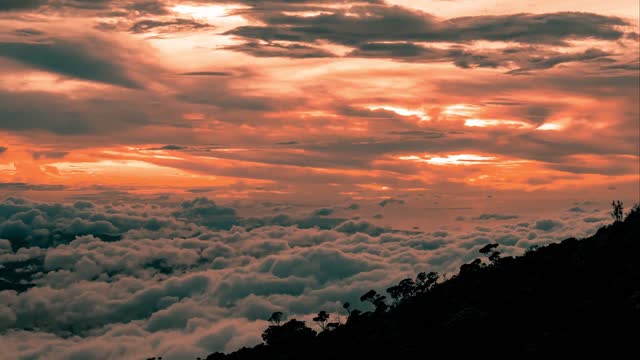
(193, 271)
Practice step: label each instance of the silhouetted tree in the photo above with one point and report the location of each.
(354, 315)
(347, 307)
(275, 318)
(617, 213)
(532, 249)
(377, 300)
(405, 289)
(333, 325)
(293, 332)
(424, 282)
(471, 267)
(490, 252)
(322, 319)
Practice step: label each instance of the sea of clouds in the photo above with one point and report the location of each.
(180, 279)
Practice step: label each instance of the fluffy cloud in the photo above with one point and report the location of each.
(183, 286)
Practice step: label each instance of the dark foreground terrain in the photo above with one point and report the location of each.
(575, 298)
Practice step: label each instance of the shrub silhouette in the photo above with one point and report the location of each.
(292, 333)
(617, 211)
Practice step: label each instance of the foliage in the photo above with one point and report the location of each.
(617, 211)
(291, 332)
(322, 319)
(275, 318)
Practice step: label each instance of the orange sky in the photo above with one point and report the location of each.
(369, 99)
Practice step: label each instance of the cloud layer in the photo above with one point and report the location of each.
(186, 278)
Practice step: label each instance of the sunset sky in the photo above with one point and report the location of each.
(430, 117)
(366, 99)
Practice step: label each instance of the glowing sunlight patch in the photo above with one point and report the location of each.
(496, 122)
(551, 126)
(459, 110)
(402, 111)
(457, 159)
(306, 13)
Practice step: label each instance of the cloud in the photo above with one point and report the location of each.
(203, 211)
(322, 212)
(49, 154)
(170, 26)
(352, 227)
(33, 187)
(20, 4)
(495, 217)
(386, 202)
(359, 25)
(522, 59)
(175, 283)
(207, 73)
(3, 149)
(278, 50)
(89, 59)
(547, 225)
(170, 147)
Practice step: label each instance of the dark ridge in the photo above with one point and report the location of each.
(574, 298)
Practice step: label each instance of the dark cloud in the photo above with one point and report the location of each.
(3, 149)
(548, 224)
(322, 212)
(34, 187)
(386, 202)
(169, 147)
(156, 7)
(398, 33)
(594, 219)
(524, 58)
(28, 32)
(352, 227)
(539, 62)
(287, 143)
(6, 5)
(168, 26)
(364, 24)
(203, 211)
(279, 50)
(49, 154)
(83, 60)
(207, 73)
(495, 217)
(24, 111)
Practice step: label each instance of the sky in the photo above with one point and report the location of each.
(232, 151)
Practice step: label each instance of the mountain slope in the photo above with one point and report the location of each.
(578, 297)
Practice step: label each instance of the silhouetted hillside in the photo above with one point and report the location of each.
(578, 297)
